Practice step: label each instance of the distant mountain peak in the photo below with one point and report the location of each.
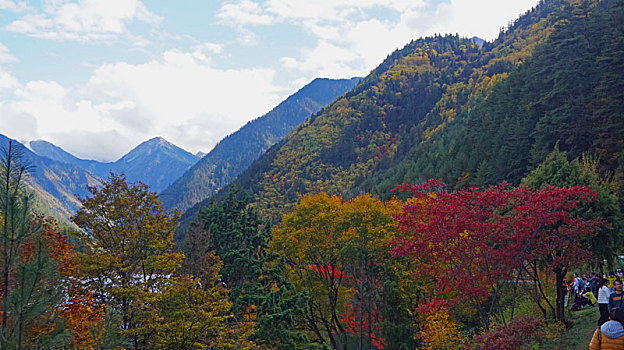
(156, 141)
(233, 154)
(477, 41)
(47, 149)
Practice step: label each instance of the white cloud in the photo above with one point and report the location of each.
(482, 18)
(243, 12)
(351, 39)
(15, 6)
(7, 81)
(333, 10)
(91, 145)
(179, 88)
(83, 20)
(205, 51)
(5, 56)
(177, 96)
(16, 123)
(343, 64)
(209, 48)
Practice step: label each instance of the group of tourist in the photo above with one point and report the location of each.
(607, 292)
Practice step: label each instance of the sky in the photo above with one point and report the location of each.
(98, 77)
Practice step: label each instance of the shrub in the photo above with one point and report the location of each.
(523, 332)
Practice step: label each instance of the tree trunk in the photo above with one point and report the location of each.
(561, 292)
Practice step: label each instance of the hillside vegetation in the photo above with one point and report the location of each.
(369, 139)
(232, 155)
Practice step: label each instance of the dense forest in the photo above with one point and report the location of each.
(566, 93)
(443, 203)
(414, 98)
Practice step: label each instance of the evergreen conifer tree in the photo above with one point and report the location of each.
(31, 288)
(254, 275)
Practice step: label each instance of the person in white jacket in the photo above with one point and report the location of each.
(603, 301)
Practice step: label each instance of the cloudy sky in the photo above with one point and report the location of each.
(97, 77)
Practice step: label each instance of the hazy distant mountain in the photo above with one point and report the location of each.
(48, 149)
(56, 184)
(477, 40)
(236, 152)
(155, 162)
(54, 152)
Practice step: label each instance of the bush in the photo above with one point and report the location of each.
(523, 332)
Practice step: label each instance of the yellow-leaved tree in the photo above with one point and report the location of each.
(130, 265)
(338, 251)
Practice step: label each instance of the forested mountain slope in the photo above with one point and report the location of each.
(236, 152)
(569, 92)
(411, 99)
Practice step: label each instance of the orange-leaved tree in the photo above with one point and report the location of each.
(82, 316)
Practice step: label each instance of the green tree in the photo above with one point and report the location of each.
(556, 170)
(189, 314)
(258, 290)
(129, 255)
(31, 284)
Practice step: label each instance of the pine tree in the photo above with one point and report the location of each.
(30, 282)
(254, 275)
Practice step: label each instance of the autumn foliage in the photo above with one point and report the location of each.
(523, 332)
(337, 250)
(439, 330)
(473, 241)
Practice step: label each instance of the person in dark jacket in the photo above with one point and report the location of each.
(616, 299)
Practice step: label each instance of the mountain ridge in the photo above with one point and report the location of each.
(234, 153)
(57, 185)
(155, 162)
(411, 97)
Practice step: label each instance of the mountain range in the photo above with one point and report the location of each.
(155, 162)
(469, 113)
(59, 177)
(55, 184)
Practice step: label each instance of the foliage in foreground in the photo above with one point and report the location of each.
(473, 242)
(130, 264)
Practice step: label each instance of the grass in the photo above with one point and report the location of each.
(580, 334)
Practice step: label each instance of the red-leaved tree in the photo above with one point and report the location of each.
(472, 242)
